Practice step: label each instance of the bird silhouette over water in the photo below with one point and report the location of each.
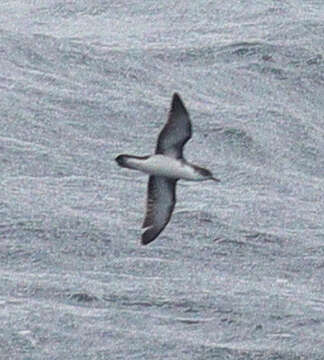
(165, 168)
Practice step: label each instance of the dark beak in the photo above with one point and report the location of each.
(120, 160)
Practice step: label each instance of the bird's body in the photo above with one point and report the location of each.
(162, 165)
(165, 168)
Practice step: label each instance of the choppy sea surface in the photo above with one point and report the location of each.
(239, 271)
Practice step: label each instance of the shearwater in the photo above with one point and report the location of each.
(165, 168)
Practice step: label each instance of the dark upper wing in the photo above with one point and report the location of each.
(177, 130)
(159, 206)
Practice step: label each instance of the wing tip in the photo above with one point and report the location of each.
(176, 98)
(178, 106)
(149, 235)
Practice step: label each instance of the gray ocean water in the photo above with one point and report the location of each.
(239, 271)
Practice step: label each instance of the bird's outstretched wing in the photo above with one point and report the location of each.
(176, 132)
(160, 203)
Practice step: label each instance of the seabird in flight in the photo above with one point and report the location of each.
(165, 168)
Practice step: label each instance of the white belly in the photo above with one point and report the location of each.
(162, 165)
